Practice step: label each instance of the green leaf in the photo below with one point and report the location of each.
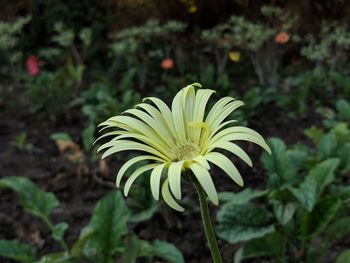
(61, 136)
(60, 257)
(306, 193)
(167, 251)
(59, 230)
(17, 251)
(241, 197)
(269, 245)
(337, 230)
(88, 137)
(78, 247)
(314, 134)
(33, 200)
(243, 222)
(327, 145)
(323, 213)
(343, 108)
(284, 212)
(344, 257)
(277, 162)
(324, 173)
(146, 214)
(109, 222)
(132, 249)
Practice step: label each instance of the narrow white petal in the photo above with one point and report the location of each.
(233, 148)
(226, 165)
(206, 182)
(168, 198)
(174, 175)
(136, 174)
(155, 180)
(131, 162)
(202, 161)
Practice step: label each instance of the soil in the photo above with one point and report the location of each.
(43, 163)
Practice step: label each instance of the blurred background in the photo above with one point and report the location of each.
(66, 66)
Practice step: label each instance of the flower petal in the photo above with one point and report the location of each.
(226, 165)
(168, 197)
(233, 148)
(166, 112)
(246, 137)
(136, 174)
(155, 180)
(202, 161)
(124, 145)
(131, 162)
(178, 116)
(206, 182)
(174, 175)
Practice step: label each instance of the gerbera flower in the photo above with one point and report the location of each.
(167, 63)
(282, 38)
(178, 140)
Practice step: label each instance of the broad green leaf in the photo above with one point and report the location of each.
(109, 222)
(132, 249)
(17, 251)
(284, 212)
(323, 213)
(327, 145)
(314, 134)
(277, 162)
(344, 155)
(344, 257)
(32, 198)
(145, 214)
(167, 252)
(88, 137)
(60, 257)
(59, 230)
(78, 247)
(243, 222)
(343, 108)
(269, 245)
(241, 197)
(337, 230)
(306, 193)
(324, 173)
(61, 136)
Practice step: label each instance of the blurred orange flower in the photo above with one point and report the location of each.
(167, 63)
(282, 38)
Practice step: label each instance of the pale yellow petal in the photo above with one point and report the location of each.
(174, 175)
(233, 148)
(206, 182)
(168, 198)
(155, 180)
(131, 162)
(136, 174)
(226, 165)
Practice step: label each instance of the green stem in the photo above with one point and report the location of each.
(208, 227)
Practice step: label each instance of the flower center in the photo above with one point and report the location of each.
(185, 151)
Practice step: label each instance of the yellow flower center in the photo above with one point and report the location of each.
(186, 151)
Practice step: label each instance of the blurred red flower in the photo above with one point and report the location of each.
(167, 63)
(33, 66)
(282, 38)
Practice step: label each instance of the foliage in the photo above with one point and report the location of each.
(105, 238)
(10, 49)
(304, 200)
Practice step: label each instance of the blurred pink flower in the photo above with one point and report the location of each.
(282, 38)
(33, 66)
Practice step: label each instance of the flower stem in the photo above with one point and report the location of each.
(208, 227)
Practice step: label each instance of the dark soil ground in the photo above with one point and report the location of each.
(43, 164)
